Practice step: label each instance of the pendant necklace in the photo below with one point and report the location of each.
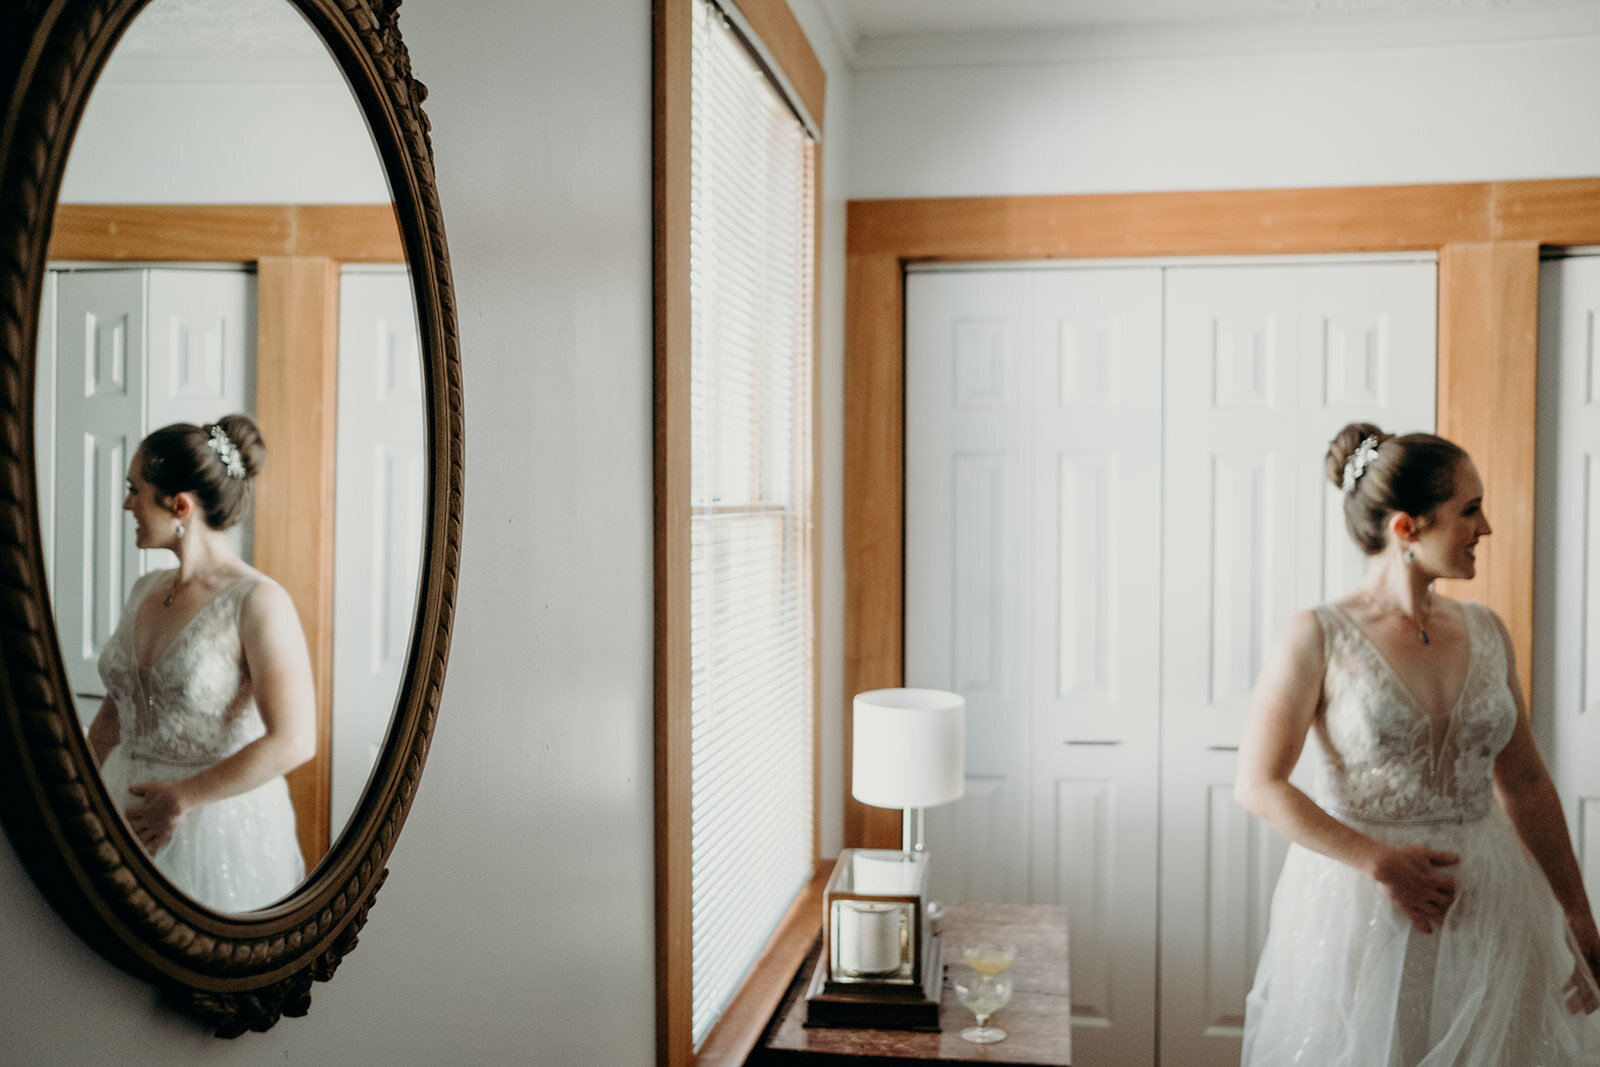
(1419, 620)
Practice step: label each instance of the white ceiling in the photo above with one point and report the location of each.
(237, 27)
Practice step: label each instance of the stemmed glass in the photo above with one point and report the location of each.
(984, 990)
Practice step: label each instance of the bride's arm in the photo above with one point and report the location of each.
(105, 732)
(1282, 708)
(280, 671)
(1529, 797)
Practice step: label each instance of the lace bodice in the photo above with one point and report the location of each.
(1385, 758)
(195, 705)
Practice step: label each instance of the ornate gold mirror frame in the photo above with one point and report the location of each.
(239, 972)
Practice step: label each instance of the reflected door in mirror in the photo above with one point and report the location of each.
(132, 349)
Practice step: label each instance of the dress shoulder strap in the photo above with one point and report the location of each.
(1488, 635)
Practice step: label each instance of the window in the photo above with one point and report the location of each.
(736, 547)
(750, 449)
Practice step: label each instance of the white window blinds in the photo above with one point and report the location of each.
(750, 296)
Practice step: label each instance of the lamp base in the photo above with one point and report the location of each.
(871, 1006)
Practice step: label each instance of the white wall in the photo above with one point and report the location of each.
(1191, 109)
(517, 922)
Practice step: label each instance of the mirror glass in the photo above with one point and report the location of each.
(224, 242)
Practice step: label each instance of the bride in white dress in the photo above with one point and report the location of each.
(209, 698)
(1430, 912)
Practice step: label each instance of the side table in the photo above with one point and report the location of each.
(1038, 1021)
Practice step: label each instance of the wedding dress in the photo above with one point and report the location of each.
(1344, 979)
(193, 708)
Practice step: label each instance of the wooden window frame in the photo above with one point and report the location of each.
(739, 1029)
(1487, 236)
(297, 250)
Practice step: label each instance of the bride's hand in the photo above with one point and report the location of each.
(154, 819)
(1411, 875)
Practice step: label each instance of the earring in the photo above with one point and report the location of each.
(1411, 553)
(180, 529)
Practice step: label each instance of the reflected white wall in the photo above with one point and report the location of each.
(186, 128)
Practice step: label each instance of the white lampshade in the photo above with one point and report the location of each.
(909, 748)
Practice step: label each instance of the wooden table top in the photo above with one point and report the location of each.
(1037, 1022)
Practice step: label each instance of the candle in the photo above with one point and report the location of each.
(868, 937)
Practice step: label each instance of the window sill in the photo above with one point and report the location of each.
(736, 1034)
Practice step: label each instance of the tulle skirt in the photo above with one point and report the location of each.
(1346, 981)
(234, 854)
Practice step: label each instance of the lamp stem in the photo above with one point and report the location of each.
(911, 831)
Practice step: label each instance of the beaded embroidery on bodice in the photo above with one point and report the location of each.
(1385, 758)
(195, 705)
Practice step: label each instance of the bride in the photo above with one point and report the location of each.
(1430, 912)
(209, 698)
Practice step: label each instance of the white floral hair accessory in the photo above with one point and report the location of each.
(1357, 464)
(228, 453)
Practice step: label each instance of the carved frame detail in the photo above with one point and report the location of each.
(234, 973)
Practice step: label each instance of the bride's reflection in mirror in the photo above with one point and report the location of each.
(209, 699)
(224, 244)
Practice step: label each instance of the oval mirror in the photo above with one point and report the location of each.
(151, 317)
(242, 221)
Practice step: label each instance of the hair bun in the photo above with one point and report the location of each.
(246, 437)
(1344, 445)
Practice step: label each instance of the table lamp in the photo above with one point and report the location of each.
(880, 959)
(908, 752)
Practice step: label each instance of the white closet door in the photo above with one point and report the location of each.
(1094, 694)
(1567, 650)
(135, 349)
(202, 329)
(1033, 525)
(379, 508)
(1263, 364)
(968, 480)
(100, 392)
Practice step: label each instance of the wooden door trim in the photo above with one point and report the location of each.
(224, 233)
(297, 377)
(1486, 234)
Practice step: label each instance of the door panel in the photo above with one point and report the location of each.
(967, 379)
(100, 396)
(1094, 697)
(378, 536)
(1263, 366)
(202, 360)
(1050, 585)
(134, 349)
(1567, 641)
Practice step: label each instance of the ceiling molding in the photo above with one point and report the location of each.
(1217, 37)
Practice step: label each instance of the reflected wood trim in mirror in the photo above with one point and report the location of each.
(297, 381)
(206, 233)
(237, 972)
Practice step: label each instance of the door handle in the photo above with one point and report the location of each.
(1088, 741)
(1222, 748)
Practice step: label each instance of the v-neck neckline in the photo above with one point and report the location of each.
(1400, 683)
(144, 670)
